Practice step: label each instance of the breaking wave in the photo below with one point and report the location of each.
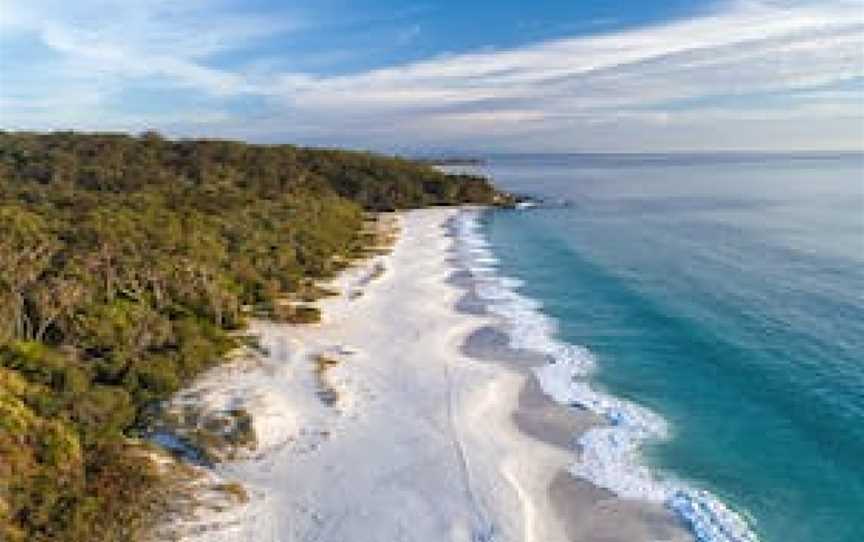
(610, 455)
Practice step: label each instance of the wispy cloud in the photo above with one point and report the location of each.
(650, 87)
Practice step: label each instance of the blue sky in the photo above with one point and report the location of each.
(396, 75)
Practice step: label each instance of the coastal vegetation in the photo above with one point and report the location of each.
(128, 265)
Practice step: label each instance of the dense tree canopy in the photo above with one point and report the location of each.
(125, 265)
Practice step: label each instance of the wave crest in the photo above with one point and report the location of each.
(610, 455)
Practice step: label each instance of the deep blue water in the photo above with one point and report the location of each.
(725, 293)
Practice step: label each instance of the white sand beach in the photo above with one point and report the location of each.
(400, 434)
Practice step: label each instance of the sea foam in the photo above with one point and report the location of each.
(610, 455)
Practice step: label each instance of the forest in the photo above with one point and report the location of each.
(129, 265)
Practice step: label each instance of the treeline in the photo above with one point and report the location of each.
(126, 264)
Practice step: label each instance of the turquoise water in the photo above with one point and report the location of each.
(726, 294)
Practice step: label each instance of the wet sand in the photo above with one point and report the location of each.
(587, 513)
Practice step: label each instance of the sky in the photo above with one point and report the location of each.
(448, 75)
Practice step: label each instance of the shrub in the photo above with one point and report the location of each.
(125, 264)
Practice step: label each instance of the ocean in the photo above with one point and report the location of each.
(711, 308)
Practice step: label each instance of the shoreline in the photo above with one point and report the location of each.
(430, 431)
(585, 512)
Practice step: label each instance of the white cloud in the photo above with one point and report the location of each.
(731, 53)
(617, 88)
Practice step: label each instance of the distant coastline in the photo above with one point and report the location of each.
(451, 161)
